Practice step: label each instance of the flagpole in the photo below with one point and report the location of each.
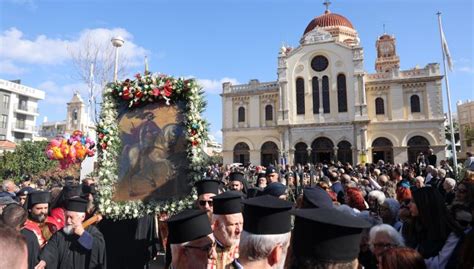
(450, 118)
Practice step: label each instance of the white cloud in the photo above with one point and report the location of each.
(215, 86)
(7, 67)
(60, 95)
(16, 47)
(467, 69)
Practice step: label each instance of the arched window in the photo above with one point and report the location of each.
(241, 114)
(74, 114)
(341, 93)
(326, 94)
(415, 103)
(379, 106)
(315, 83)
(268, 112)
(299, 96)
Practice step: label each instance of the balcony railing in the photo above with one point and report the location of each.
(28, 109)
(20, 125)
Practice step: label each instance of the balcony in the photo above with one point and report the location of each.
(27, 110)
(22, 127)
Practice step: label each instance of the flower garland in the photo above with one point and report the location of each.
(146, 89)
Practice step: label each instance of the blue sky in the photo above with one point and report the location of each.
(216, 41)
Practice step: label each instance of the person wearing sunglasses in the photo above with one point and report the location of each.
(206, 190)
(191, 240)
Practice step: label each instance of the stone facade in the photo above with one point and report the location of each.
(324, 106)
(466, 126)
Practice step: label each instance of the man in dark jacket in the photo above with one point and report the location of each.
(74, 246)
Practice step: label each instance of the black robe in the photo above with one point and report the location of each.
(32, 246)
(65, 252)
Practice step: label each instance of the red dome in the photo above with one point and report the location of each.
(328, 19)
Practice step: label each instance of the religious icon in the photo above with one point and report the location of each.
(153, 162)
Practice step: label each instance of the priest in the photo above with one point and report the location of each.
(227, 222)
(74, 246)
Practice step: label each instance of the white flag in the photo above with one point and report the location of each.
(446, 50)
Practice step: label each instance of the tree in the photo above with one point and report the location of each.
(100, 54)
(28, 158)
(447, 133)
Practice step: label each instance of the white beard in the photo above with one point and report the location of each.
(68, 229)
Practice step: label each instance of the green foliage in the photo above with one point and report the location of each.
(215, 159)
(27, 159)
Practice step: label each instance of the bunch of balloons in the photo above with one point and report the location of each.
(70, 150)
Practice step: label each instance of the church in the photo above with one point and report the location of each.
(325, 107)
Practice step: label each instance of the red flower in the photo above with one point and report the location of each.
(103, 145)
(101, 136)
(138, 76)
(155, 92)
(167, 89)
(138, 94)
(126, 94)
(195, 143)
(193, 132)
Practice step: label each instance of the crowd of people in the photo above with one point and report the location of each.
(325, 215)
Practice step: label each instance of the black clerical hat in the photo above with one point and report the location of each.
(226, 203)
(188, 225)
(316, 197)
(70, 191)
(270, 170)
(207, 186)
(236, 176)
(267, 215)
(274, 189)
(38, 197)
(261, 174)
(327, 234)
(76, 204)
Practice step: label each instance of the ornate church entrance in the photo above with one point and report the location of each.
(269, 154)
(322, 150)
(416, 145)
(241, 153)
(301, 153)
(382, 149)
(344, 152)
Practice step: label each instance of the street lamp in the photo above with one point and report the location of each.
(117, 42)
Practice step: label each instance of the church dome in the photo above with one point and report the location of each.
(328, 19)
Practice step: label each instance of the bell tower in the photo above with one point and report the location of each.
(387, 58)
(76, 114)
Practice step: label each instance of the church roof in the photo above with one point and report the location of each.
(328, 19)
(76, 98)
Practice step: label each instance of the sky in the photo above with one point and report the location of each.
(215, 40)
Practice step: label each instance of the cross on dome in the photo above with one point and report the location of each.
(327, 3)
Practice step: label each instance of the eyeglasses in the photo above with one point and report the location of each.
(206, 248)
(203, 202)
